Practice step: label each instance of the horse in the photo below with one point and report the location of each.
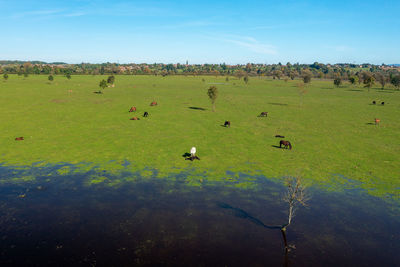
(132, 109)
(154, 103)
(373, 102)
(280, 136)
(285, 143)
(134, 119)
(145, 114)
(383, 103)
(227, 124)
(19, 138)
(263, 114)
(377, 121)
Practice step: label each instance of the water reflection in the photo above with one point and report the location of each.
(61, 220)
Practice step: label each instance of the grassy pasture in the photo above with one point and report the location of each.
(331, 131)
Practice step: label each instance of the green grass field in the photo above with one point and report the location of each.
(330, 130)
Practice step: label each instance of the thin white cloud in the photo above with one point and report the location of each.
(253, 45)
(75, 14)
(44, 12)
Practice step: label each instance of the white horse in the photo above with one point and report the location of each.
(193, 152)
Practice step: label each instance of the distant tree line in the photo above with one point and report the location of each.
(354, 73)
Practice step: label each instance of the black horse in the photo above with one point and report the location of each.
(286, 144)
(373, 102)
(383, 103)
(263, 114)
(145, 114)
(227, 124)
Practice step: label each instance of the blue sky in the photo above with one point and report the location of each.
(204, 31)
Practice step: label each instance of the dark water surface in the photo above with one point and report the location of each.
(59, 221)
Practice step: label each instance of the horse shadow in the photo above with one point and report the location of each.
(370, 123)
(197, 108)
(276, 146)
(188, 156)
(355, 90)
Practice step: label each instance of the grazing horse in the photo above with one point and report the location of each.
(383, 103)
(227, 124)
(377, 121)
(19, 138)
(134, 119)
(145, 114)
(263, 114)
(373, 102)
(280, 136)
(132, 109)
(286, 144)
(154, 103)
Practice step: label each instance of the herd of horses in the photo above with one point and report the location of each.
(145, 114)
(286, 144)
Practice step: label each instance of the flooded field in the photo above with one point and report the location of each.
(60, 220)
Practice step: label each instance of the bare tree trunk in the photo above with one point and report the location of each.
(213, 107)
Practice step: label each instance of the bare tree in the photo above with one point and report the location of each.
(301, 90)
(295, 196)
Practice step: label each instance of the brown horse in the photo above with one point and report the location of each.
(377, 121)
(154, 103)
(132, 109)
(285, 143)
(134, 119)
(227, 124)
(263, 114)
(19, 138)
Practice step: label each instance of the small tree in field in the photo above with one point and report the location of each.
(395, 80)
(212, 94)
(111, 79)
(102, 85)
(381, 78)
(302, 91)
(51, 78)
(307, 77)
(246, 79)
(368, 80)
(337, 81)
(353, 80)
(5, 76)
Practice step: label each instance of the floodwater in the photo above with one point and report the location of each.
(57, 220)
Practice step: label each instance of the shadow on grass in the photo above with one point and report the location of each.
(278, 104)
(277, 146)
(382, 91)
(370, 123)
(355, 90)
(197, 108)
